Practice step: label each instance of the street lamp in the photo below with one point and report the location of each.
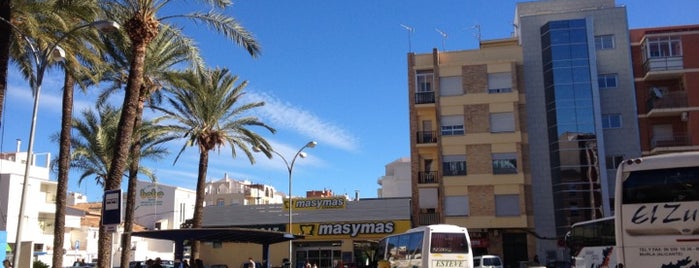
(42, 59)
(290, 168)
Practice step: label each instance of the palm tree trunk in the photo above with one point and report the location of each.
(63, 167)
(133, 180)
(5, 33)
(199, 201)
(124, 135)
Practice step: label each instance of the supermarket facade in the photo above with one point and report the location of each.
(337, 232)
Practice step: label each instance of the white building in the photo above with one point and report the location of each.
(157, 207)
(39, 209)
(396, 181)
(228, 191)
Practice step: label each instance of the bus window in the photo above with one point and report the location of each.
(449, 243)
(662, 185)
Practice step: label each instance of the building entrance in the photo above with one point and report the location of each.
(318, 255)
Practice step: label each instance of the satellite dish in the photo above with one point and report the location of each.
(657, 92)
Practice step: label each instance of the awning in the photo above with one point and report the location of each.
(241, 235)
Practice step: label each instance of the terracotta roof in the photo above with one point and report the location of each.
(93, 213)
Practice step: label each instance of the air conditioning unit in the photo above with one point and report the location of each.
(684, 116)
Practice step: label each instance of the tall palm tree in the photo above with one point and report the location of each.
(44, 23)
(5, 32)
(206, 108)
(142, 26)
(168, 50)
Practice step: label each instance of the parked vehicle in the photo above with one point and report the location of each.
(487, 261)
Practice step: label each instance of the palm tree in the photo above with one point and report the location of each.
(96, 136)
(5, 32)
(169, 49)
(206, 108)
(44, 23)
(142, 26)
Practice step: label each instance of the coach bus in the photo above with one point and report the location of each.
(657, 211)
(592, 243)
(431, 246)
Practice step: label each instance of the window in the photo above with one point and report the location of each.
(505, 163)
(604, 42)
(611, 121)
(220, 202)
(424, 81)
(506, 205)
(428, 197)
(499, 82)
(607, 80)
(452, 125)
(502, 122)
(613, 161)
(450, 86)
(456, 206)
(661, 47)
(454, 165)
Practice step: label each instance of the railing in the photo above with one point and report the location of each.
(674, 99)
(663, 64)
(427, 218)
(427, 177)
(679, 139)
(426, 137)
(424, 97)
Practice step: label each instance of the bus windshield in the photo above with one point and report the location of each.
(661, 185)
(449, 243)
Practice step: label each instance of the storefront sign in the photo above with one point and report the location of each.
(151, 196)
(371, 229)
(317, 203)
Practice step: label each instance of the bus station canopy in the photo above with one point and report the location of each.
(239, 235)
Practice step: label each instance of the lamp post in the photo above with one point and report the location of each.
(41, 60)
(290, 168)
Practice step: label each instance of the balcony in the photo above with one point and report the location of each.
(424, 97)
(677, 139)
(663, 68)
(670, 104)
(426, 137)
(427, 218)
(425, 177)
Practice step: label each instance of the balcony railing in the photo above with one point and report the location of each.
(663, 64)
(674, 99)
(427, 218)
(426, 137)
(678, 139)
(427, 177)
(424, 97)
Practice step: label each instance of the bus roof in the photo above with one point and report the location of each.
(442, 227)
(680, 159)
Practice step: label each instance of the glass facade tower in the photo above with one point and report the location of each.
(570, 118)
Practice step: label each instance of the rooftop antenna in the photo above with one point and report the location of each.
(444, 37)
(410, 33)
(478, 32)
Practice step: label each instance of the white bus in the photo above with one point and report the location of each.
(592, 243)
(657, 211)
(431, 246)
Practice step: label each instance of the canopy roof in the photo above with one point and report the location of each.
(240, 235)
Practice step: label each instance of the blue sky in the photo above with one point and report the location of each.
(330, 71)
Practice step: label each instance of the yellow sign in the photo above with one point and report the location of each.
(317, 203)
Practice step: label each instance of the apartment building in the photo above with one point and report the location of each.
(468, 142)
(581, 111)
(666, 74)
(396, 180)
(227, 191)
(37, 228)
